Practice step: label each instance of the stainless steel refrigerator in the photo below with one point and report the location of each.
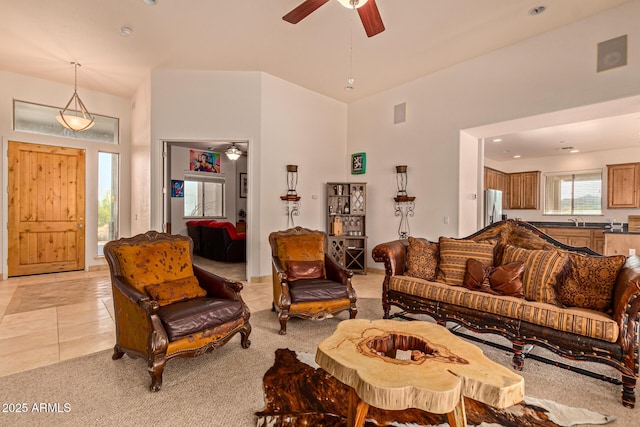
(492, 206)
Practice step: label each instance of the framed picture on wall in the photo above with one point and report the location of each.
(244, 185)
(204, 161)
(358, 163)
(177, 188)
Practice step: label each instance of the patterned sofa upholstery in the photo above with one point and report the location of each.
(572, 301)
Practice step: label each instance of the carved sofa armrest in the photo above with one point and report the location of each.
(217, 286)
(626, 302)
(394, 256)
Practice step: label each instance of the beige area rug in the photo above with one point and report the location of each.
(224, 388)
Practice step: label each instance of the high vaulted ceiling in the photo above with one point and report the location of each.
(40, 38)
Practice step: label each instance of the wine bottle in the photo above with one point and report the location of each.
(346, 206)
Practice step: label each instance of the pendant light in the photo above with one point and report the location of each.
(77, 118)
(233, 153)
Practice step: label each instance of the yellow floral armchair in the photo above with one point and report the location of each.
(166, 307)
(307, 281)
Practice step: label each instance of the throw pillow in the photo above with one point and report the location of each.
(454, 254)
(305, 270)
(500, 280)
(543, 270)
(591, 282)
(175, 291)
(422, 259)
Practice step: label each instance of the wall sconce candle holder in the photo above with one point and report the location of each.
(404, 204)
(292, 199)
(401, 180)
(292, 180)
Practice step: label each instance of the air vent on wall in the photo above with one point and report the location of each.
(612, 53)
(400, 113)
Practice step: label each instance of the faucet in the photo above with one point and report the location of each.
(584, 223)
(574, 220)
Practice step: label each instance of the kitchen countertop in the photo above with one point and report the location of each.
(589, 225)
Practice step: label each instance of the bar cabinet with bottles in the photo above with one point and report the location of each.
(346, 224)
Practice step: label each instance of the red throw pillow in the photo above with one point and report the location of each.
(305, 270)
(502, 280)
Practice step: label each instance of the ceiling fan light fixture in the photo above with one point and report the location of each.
(351, 4)
(233, 153)
(75, 115)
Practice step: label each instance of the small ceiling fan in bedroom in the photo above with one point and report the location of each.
(367, 9)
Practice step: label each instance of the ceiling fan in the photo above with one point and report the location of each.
(367, 9)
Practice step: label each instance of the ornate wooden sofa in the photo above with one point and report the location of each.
(609, 334)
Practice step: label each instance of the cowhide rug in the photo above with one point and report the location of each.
(299, 393)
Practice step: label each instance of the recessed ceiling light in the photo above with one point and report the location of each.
(150, 2)
(505, 151)
(575, 150)
(537, 10)
(517, 156)
(497, 140)
(126, 31)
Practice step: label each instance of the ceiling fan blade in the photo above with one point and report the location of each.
(304, 10)
(370, 17)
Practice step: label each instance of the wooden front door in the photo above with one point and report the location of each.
(46, 209)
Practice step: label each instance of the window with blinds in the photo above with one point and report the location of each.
(203, 196)
(573, 193)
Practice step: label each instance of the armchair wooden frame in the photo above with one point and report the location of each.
(139, 328)
(314, 310)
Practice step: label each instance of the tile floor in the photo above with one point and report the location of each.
(49, 318)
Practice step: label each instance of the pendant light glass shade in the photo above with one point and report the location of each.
(75, 116)
(233, 153)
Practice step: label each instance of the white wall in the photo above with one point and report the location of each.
(283, 123)
(550, 72)
(24, 88)
(574, 162)
(139, 161)
(307, 129)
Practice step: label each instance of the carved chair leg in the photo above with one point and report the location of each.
(518, 357)
(155, 369)
(353, 312)
(244, 336)
(628, 391)
(117, 353)
(283, 317)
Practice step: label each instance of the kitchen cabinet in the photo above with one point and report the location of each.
(597, 241)
(524, 190)
(623, 181)
(497, 180)
(578, 237)
(620, 243)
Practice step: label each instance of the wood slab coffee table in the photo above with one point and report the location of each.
(434, 372)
